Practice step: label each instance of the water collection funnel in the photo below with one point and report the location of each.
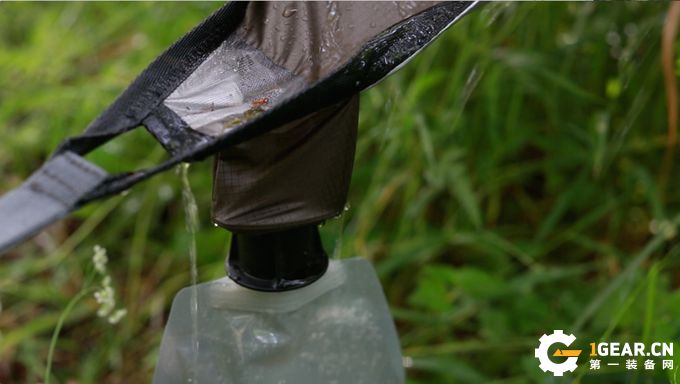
(263, 85)
(271, 89)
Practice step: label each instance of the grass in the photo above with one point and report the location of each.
(508, 182)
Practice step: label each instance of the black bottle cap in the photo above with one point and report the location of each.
(278, 261)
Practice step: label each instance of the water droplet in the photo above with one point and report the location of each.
(373, 24)
(265, 337)
(266, 21)
(282, 38)
(289, 11)
(215, 224)
(362, 64)
(347, 206)
(286, 23)
(337, 215)
(321, 224)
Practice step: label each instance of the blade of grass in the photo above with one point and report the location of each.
(651, 297)
(670, 32)
(650, 282)
(595, 304)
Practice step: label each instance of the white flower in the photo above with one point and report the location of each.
(100, 259)
(105, 297)
(117, 315)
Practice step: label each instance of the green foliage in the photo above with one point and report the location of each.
(506, 185)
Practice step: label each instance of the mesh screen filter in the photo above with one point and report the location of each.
(225, 86)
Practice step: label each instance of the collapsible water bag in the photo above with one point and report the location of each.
(337, 330)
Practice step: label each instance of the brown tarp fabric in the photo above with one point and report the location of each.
(311, 38)
(299, 174)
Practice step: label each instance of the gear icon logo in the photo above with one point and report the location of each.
(542, 353)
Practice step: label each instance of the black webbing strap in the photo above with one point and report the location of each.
(172, 132)
(141, 103)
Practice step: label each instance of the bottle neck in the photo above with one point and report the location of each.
(278, 261)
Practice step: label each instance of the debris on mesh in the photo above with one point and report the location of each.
(235, 84)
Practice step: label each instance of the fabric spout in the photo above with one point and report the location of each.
(295, 175)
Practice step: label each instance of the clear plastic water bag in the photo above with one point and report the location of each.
(337, 330)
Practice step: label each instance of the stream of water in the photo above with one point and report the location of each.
(191, 212)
